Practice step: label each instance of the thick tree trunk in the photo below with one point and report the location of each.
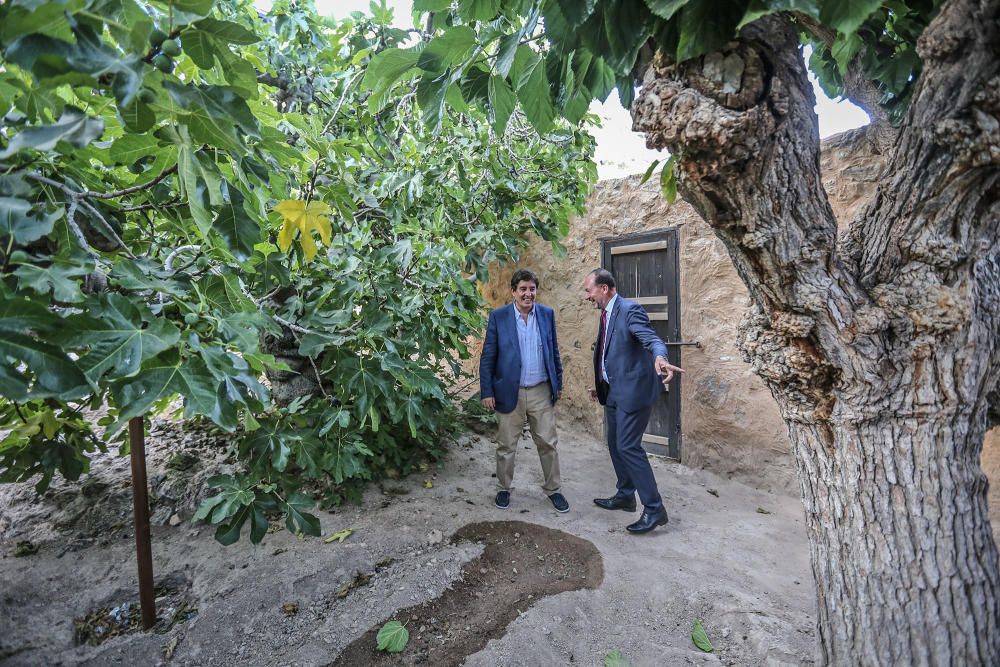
(300, 380)
(883, 353)
(901, 545)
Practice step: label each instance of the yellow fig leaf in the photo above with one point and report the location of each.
(339, 536)
(298, 216)
(286, 236)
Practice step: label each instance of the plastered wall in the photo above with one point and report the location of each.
(730, 422)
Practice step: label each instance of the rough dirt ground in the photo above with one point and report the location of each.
(289, 602)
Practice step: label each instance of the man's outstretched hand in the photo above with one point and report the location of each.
(666, 370)
(490, 403)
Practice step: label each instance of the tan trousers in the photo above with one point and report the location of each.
(535, 405)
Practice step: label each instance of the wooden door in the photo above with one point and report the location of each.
(646, 270)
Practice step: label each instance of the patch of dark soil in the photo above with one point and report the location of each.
(520, 564)
(113, 618)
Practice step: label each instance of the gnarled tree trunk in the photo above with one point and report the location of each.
(882, 350)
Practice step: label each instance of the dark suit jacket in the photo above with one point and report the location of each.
(500, 364)
(628, 358)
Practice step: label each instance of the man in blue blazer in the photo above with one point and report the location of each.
(520, 376)
(630, 374)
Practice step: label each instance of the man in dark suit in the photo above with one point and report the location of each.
(630, 374)
(520, 377)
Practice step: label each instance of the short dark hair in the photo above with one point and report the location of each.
(603, 277)
(521, 275)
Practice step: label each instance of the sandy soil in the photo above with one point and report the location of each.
(744, 572)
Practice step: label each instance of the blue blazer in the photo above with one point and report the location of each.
(500, 363)
(628, 359)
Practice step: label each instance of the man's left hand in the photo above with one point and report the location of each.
(666, 370)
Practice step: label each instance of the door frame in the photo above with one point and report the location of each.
(665, 238)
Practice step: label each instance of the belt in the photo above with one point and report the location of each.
(532, 386)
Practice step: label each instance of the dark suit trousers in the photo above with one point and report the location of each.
(634, 473)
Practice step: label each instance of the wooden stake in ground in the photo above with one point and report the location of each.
(140, 508)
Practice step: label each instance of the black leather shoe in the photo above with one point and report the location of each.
(647, 522)
(616, 503)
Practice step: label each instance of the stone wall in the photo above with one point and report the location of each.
(729, 421)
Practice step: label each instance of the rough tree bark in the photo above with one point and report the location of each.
(882, 350)
(301, 379)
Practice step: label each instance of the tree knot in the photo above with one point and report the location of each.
(792, 325)
(946, 34)
(973, 140)
(791, 364)
(715, 139)
(919, 302)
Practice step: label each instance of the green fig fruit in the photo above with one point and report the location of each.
(171, 47)
(163, 63)
(156, 37)
(191, 319)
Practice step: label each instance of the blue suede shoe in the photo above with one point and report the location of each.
(502, 500)
(559, 502)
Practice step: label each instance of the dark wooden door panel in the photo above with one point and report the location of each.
(645, 267)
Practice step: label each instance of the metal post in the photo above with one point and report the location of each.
(140, 509)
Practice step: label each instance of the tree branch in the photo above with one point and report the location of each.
(857, 88)
(742, 124)
(75, 228)
(940, 196)
(107, 226)
(129, 190)
(76, 199)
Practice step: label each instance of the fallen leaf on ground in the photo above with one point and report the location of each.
(428, 484)
(169, 647)
(290, 608)
(714, 492)
(359, 579)
(340, 536)
(392, 638)
(761, 510)
(616, 659)
(25, 548)
(700, 637)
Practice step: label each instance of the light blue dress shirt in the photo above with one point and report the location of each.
(530, 340)
(608, 308)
